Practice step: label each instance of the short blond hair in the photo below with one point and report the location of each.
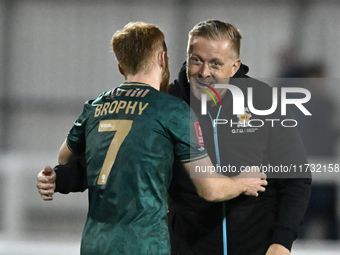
(136, 45)
(217, 30)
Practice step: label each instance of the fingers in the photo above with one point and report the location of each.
(254, 194)
(47, 171)
(46, 190)
(47, 197)
(47, 175)
(45, 186)
(261, 189)
(42, 178)
(46, 183)
(46, 194)
(254, 186)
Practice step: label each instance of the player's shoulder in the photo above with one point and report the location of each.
(171, 106)
(101, 97)
(170, 100)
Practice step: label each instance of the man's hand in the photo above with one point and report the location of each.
(46, 183)
(252, 180)
(277, 249)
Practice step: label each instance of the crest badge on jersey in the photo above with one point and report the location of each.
(199, 134)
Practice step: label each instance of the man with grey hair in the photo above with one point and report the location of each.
(268, 224)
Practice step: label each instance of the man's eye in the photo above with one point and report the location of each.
(196, 60)
(217, 64)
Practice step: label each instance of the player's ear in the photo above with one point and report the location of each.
(121, 69)
(235, 67)
(162, 59)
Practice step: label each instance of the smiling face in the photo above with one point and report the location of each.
(210, 59)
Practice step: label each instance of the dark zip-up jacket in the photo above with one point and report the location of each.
(253, 223)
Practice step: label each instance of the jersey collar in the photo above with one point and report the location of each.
(135, 84)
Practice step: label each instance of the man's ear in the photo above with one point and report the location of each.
(162, 59)
(235, 67)
(121, 69)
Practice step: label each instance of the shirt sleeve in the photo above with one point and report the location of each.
(186, 133)
(76, 137)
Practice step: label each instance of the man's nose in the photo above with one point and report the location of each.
(205, 71)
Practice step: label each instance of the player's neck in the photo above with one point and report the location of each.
(152, 78)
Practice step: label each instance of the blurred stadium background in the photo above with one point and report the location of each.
(55, 55)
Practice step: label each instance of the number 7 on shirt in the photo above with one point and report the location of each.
(122, 128)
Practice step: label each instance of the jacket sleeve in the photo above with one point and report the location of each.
(71, 176)
(293, 188)
(293, 196)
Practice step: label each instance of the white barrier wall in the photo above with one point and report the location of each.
(24, 215)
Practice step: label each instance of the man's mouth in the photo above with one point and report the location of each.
(203, 85)
(206, 82)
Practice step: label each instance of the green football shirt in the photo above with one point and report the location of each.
(130, 137)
